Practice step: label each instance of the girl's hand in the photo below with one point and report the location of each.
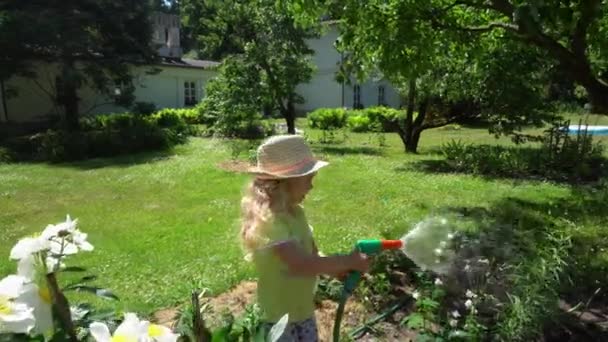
(358, 262)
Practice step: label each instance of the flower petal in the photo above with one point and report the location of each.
(100, 332)
(130, 326)
(12, 286)
(21, 320)
(27, 267)
(27, 246)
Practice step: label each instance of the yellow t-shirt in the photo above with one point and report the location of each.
(279, 292)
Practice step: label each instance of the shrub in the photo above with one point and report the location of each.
(255, 129)
(143, 108)
(327, 119)
(561, 157)
(104, 136)
(383, 118)
(6, 156)
(168, 118)
(359, 123)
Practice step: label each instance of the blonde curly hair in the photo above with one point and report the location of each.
(263, 199)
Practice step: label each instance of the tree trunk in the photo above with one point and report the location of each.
(409, 117)
(3, 94)
(68, 97)
(597, 91)
(290, 117)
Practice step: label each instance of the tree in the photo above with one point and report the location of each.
(14, 62)
(93, 42)
(572, 33)
(444, 75)
(232, 104)
(262, 36)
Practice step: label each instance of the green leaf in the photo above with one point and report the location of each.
(414, 320)
(429, 303)
(221, 335)
(103, 293)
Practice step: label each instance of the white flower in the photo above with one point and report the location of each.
(133, 329)
(438, 282)
(455, 314)
(470, 294)
(467, 268)
(443, 244)
(130, 329)
(450, 236)
(468, 304)
(159, 333)
(65, 239)
(416, 294)
(15, 316)
(453, 323)
(39, 298)
(438, 252)
(28, 246)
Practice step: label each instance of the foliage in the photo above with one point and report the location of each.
(105, 136)
(444, 75)
(230, 108)
(375, 119)
(143, 108)
(266, 45)
(327, 119)
(570, 34)
(561, 157)
(105, 39)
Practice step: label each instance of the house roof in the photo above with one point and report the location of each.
(189, 63)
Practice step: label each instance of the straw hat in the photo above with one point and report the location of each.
(285, 156)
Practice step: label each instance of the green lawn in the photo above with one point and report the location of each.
(164, 222)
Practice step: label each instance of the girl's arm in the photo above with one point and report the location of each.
(311, 264)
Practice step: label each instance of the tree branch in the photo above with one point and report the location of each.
(439, 124)
(491, 26)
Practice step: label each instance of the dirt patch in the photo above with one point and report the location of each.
(238, 298)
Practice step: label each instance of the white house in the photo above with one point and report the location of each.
(324, 91)
(181, 82)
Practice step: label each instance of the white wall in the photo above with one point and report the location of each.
(165, 89)
(324, 91)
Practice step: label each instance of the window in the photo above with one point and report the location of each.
(166, 35)
(189, 93)
(381, 101)
(357, 96)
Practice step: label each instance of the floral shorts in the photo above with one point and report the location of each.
(302, 331)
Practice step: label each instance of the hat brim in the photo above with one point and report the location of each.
(305, 170)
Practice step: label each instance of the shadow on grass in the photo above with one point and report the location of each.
(343, 150)
(121, 160)
(125, 160)
(546, 258)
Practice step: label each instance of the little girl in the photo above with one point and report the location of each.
(277, 238)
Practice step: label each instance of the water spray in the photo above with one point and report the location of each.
(426, 245)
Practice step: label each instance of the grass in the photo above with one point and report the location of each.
(163, 223)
